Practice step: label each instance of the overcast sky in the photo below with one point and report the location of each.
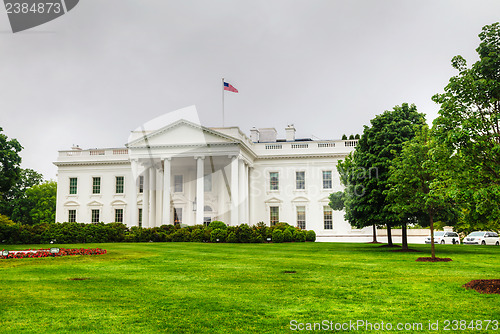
(327, 66)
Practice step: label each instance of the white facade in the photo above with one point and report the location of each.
(186, 173)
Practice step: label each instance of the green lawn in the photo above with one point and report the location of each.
(228, 288)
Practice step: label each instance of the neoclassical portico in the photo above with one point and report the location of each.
(223, 180)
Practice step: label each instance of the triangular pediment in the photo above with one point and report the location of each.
(181, 132)
(95, 203)
(273, 200)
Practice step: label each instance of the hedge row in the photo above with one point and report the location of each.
(63, 233)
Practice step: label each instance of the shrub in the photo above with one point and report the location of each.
(256, 237)
(217, 224)
(277, 235)
(287, 235)
(311, 235)
(232, 238)
(197, 235)
(219, 234)
(244, 233)
(300, 236)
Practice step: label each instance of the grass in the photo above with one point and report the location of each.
(242, 288)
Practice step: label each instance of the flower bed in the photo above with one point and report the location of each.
(35, 253)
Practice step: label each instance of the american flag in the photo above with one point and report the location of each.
(229, 87)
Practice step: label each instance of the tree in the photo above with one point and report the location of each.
(419, 181)
(469, 124)
(14, 203)
(9, 163)
(42, 201)
(364, 173)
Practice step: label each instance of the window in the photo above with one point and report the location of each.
(73, 185)
(96, 185)
(300, 180)
(72, 216)
(95, 215)
(327, 218)
(118, 215)
(177, 216)
(274, 180)
(119, 184)
(301, 217)
(141, 184)
(140, 218)
(208, 182)
(275, 215)
(327, 179)
(178, 183)
(207, 221)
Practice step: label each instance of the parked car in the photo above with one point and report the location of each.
(482, 238)
(441, 237)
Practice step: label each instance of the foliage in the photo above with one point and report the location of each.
(365, 171)
(277, 235)
(344, 137)
(310, 235)
(9, 163)
(469, 124)
(418, 180)
(218, 235)
(287, 235)
(217, 224)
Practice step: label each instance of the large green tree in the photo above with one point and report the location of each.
(10, 162)
(364, 173)
(419, 180)
(14, 203)
(469, 123)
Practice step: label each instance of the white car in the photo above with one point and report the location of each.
(482, 238)
(442, 238)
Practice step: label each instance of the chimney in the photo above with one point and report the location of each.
(267, 135)
(290, 132)
(254, 135)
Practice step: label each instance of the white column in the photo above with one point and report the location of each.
(166, 192)
(152, 196)
(133, 204)
(241, 193)
(159, 198)
(247, 195)
(145, 199)
(234, 191)
(200, 190)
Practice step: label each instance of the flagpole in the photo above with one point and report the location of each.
(222, 102)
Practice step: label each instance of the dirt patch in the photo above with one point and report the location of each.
(436, 259)
(392, 246)
(488, 286)
(373, 242)
(289, 272)
(406, 250)
(79, 278)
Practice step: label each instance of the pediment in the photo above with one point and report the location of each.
(324, 199)
(300, 199)
(118, 202)
(273, 200)
(71, 203)
(95, 203)
(181, 132)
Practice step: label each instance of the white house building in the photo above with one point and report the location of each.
(184, 173)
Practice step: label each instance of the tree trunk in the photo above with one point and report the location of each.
(374, 233)
(389, 236)
(431, 218)
(404, 237)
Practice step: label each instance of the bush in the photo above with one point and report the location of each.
(300, 236)
(277, 235)
(217, 224)
(244, 233)
(197, 235)
(287, 235)
(218, 234)
(232, 238)
(311, 236)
